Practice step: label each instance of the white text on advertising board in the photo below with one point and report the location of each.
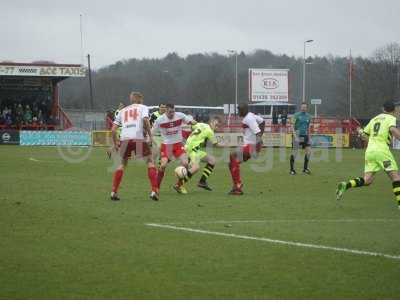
(43, 71)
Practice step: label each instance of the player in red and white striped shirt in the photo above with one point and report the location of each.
(135, 137)
(253, 129)
(170, 127)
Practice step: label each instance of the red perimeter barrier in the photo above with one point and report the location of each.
(29, 127)
(65, 122)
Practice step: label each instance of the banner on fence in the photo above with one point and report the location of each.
(102, 138)
(234, 139)
(285, 140)
(330, 140)
(55, 138)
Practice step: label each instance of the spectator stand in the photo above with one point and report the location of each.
(29, 97)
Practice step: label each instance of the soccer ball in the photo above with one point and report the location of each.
(180, 172)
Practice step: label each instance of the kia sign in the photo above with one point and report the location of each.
(268, 85)
(9, 137)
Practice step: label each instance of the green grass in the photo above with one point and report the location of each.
(62, 238)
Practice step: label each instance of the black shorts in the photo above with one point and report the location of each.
(304, 141)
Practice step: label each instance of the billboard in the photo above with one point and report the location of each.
(268, 85)
(234, 139)
(47, 71)
(101, 138)
(55, 138)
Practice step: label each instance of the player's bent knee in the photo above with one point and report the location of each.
(394, 175)
(123, 164)
(246, 156)
(163, 164)
(194, 168)
(211, 160)
(233, 156)
(185, 163)
(368, 180)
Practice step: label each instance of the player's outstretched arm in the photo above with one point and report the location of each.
(187, 119)
(395, 132)
(362, 134)
(293, 126)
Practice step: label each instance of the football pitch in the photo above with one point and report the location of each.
(285, 238)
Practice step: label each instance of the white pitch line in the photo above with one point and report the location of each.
(290, 221)
(288, 243)
(34, 159)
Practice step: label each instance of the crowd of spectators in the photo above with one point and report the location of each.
(25, 113)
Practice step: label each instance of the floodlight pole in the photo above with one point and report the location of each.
(81, 32)
(236, 77)
(304, 70)
(90, 83)
(350, 85)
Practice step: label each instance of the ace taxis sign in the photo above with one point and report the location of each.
(44, 71)
(268, 85)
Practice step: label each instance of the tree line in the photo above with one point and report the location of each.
(209, 79)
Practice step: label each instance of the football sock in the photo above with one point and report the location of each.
(152, 174)
(396, 191)
(160, 176)
(207, 171)
(356, 182)
(306, 160)
(234, 168)
(292, 162)
(117, 180)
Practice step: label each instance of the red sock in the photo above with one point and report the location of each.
(234, 168)
(152, 174)
(160, 177)
(117, 179)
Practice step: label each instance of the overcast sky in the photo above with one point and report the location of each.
(118, 29)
